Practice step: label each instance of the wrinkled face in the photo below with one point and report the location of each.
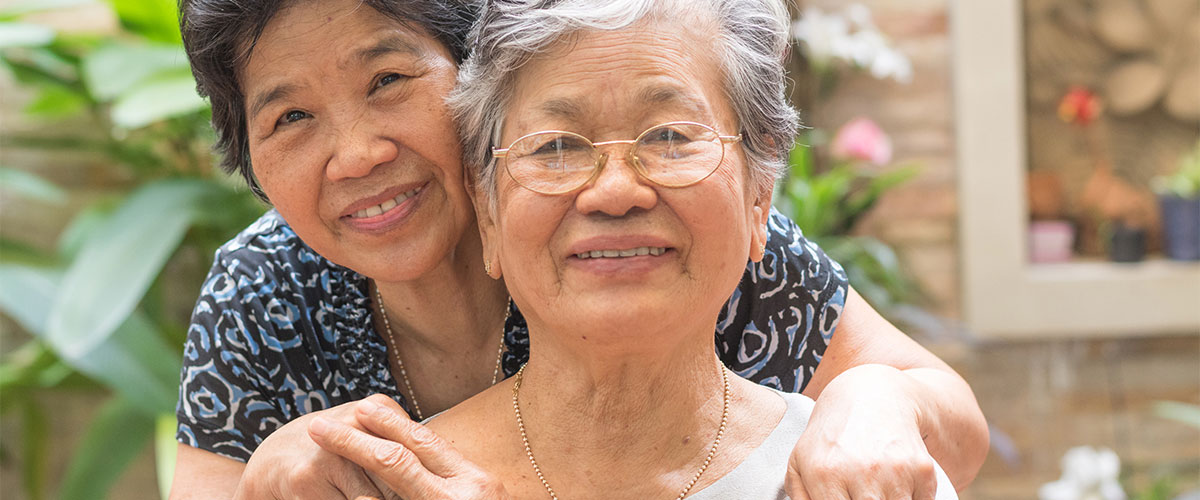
(690, 243)
(351, 140)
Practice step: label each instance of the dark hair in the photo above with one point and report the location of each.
(219, 36)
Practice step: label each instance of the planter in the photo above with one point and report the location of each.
(1181, 227)
(1126, 244)
(1051, 241)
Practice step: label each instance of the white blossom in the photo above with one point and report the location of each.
(850, 37)
(1088, 474)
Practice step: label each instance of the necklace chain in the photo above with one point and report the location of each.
(712, 451)
(391, 338)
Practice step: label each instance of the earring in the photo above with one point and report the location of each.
(487, 267)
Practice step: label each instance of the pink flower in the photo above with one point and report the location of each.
(862, 140)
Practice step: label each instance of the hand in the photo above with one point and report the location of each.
(408, 458)
(863, 441)
(288, 465)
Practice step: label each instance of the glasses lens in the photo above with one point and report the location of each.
(551, 162)
(678, 154)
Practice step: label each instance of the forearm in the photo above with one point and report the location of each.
(204, 475)
(877, 355)
(952, 425)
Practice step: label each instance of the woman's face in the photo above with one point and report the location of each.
(613, 86)
(351, 140)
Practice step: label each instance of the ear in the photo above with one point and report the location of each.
(760, 213)
(489, 234)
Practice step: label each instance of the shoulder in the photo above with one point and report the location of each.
(269, 245)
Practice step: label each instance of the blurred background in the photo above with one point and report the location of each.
(1014, 182)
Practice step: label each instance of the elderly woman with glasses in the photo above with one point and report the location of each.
(622, 155)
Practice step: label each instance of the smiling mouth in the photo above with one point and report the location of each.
(386, 205)
(619, 254)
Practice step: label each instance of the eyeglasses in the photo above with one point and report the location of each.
(675, 154)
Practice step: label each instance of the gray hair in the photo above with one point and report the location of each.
(751, 45)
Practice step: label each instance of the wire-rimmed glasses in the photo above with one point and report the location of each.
(674, 154)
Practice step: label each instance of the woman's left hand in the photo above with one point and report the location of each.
(863, 441)
(409, 459)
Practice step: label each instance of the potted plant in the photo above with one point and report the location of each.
(1179, 202)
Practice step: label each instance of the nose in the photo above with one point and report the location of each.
(617, 189)
(359, 146)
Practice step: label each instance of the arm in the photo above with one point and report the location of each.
(203, 475)
(949, 418)
(870, 368)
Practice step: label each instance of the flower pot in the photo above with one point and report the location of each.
(1051, 241)
(1126, 244)
(1181, 227)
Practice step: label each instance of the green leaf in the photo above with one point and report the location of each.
(15, 9)
(24, 35)
(115, 68)
(56, 102)
(120, 259)
(116, 436)
(32, 366)
(154, 19)
(81, 228)
(31, 186)
(158, 98)
(1179, 412)
(26, 294)
(165, 448)
(133, 361)
(19, 252)
(34, 449)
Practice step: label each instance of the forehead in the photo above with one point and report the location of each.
(310, 35)
(642, 69)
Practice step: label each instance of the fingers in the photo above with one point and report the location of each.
(793, 485)
(391, 462)
(383, 417)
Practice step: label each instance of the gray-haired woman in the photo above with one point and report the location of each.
(622, 156)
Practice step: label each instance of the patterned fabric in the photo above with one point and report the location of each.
(279, 331)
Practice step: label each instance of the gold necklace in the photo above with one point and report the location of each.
(712, 451)
(391, 338)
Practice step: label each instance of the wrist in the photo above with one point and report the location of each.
(885, 389)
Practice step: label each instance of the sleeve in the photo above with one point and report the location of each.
(777, 324)
(226, 402)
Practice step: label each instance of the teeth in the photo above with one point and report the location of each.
(385, 206)
(632, 252)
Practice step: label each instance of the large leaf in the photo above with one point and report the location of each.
(55, 102)
(120, 259)
(91, 323)
(24, 35)
(116, 436)
(115, 68)
(158, 98)
(132, 359)
(26, 294)
(153, 19)
(30, 186)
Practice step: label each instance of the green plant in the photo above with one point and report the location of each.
(1185, 182)
(827, 203)
(96, 305)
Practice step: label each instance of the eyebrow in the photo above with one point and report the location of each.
(571, 108)
(385, 46)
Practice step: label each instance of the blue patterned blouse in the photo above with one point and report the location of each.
(279, 331)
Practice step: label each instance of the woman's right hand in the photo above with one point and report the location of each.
(288, 465)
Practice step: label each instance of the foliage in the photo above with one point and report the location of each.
(827, 204)
(95, 304)
(1185, 182)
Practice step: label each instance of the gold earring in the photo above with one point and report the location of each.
(487, 267)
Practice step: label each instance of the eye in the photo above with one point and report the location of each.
(666, 134)
(292, 116)
(388, 79)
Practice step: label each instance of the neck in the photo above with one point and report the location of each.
(418, 308)
(638, 416)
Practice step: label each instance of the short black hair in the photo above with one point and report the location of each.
(219, 35)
